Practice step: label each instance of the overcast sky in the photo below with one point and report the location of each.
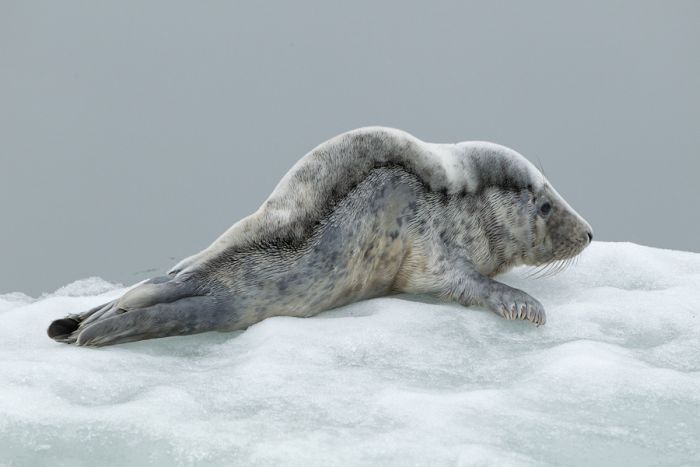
(133, 133)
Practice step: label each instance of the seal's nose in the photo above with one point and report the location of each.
(590, 236)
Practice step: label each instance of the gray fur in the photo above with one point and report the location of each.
(371, 212)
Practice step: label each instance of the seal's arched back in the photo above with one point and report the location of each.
(371, 212)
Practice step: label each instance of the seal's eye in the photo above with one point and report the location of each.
(545, 208)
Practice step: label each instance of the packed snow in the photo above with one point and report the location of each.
(613, 378)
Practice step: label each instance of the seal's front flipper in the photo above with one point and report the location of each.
(512, 303)
(471, 288)
(189, 315)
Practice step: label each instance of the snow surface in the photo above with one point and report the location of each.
(612, 379)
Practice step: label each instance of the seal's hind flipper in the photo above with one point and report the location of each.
(189, 315)
(66, 329)
(159, 290)
(62, 329)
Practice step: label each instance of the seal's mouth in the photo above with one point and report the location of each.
(553, 267)
(564, 258)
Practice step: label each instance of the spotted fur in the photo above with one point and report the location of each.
(371, 212)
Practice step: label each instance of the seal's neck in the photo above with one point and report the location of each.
(500, 230)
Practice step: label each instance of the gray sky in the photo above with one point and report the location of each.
(133, 133)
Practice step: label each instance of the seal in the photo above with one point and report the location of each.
(371, 212)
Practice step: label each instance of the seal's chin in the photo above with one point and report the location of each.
(558, 260)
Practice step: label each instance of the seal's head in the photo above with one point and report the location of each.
(557, 231)
(524, 218)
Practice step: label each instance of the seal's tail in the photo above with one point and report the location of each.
(161, 307)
